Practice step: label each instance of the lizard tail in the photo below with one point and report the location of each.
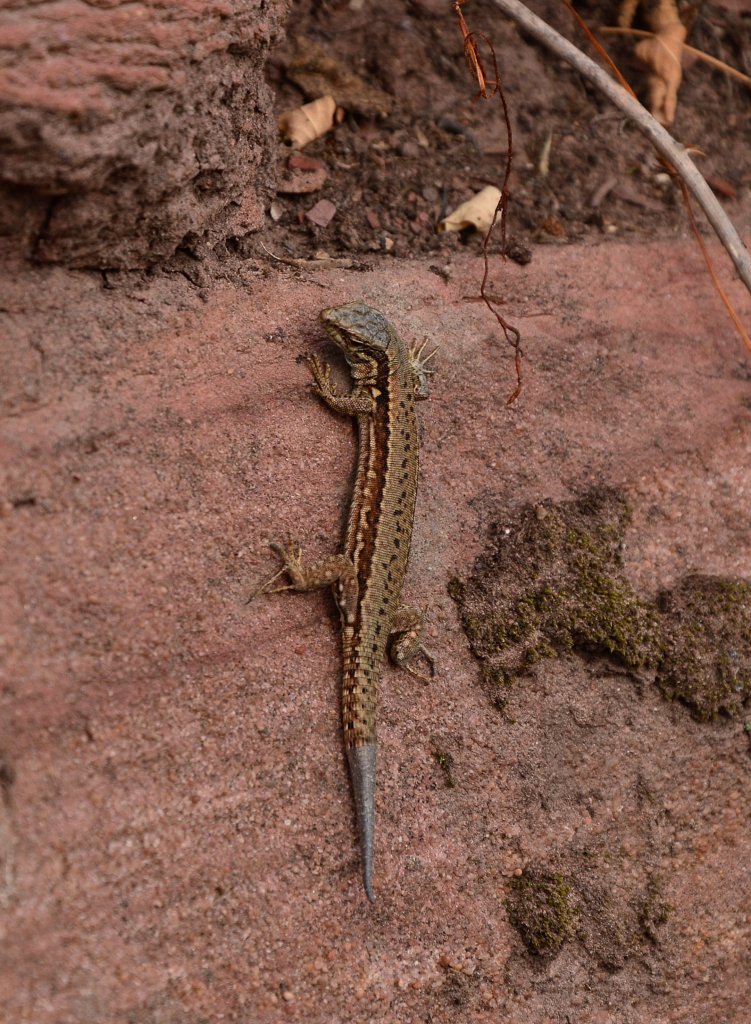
(362, 771)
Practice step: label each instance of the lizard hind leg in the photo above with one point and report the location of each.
(337, 571)
(406, 641)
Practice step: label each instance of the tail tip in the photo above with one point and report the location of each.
(368, 884)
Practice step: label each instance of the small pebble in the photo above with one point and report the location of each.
(409, 149)
(304, 163)
(322, 213)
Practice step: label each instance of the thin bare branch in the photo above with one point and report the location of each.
(663, 142)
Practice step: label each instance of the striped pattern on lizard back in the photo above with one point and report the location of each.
(379, 532)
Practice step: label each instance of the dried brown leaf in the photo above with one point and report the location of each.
(477, 212)
(311, 121)
(662, 54)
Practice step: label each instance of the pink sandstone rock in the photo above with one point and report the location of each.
(175, 807)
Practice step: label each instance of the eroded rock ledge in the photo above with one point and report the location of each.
(130, 130)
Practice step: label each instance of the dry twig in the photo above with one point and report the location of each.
(487, 88)
(690, 51)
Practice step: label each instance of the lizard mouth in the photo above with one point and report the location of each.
(337, 335)
(354, 350)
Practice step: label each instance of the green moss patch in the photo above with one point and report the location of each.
(552, 582)
(615, 916)
(540, 908)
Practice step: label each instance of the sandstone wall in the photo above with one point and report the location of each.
(130, 130)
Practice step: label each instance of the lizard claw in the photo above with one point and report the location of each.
(289, 554)
(284, 553)
(322, 377)
(421, 675)
(420, 369)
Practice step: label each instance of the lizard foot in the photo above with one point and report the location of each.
(321, 371)
(290, 555)
(406, 641)
(420, 369)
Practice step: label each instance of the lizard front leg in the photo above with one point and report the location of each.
(357, 403)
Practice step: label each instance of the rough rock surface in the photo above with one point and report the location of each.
(176, 821)
(129, 130)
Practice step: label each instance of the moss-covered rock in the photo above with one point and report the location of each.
(706, 645)
(614, 915)
(553, 582)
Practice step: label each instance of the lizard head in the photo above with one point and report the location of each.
(357, 329)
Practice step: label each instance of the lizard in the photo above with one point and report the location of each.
(388, 378)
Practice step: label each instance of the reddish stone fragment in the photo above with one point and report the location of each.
(301, 182)
(299, 162)
(322, 213)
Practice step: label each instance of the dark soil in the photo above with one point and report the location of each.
(392, 178)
